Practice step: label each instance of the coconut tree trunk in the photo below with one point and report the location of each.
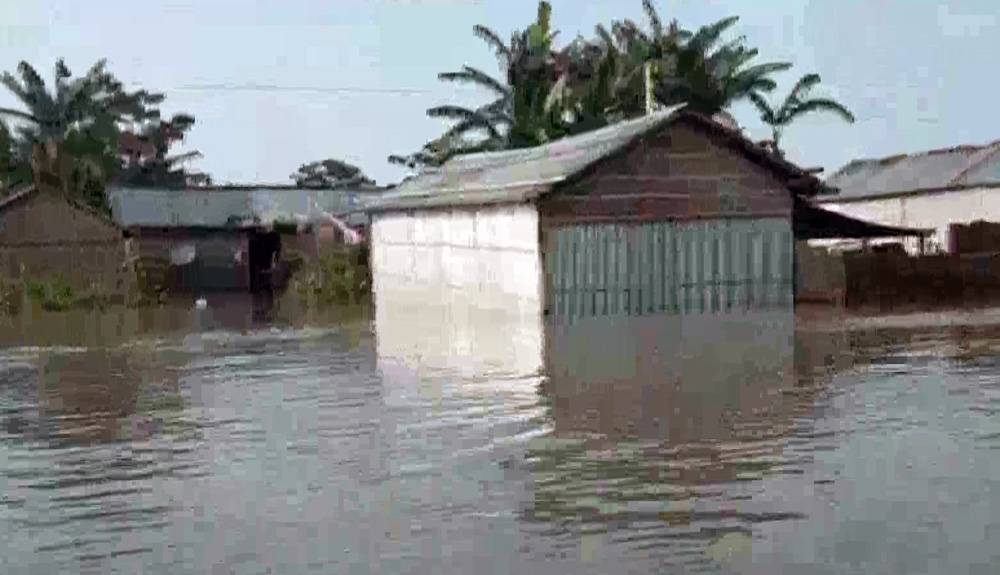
(46, 168)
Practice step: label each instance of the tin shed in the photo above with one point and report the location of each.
(671, 212)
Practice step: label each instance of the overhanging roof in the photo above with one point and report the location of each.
(811, 222)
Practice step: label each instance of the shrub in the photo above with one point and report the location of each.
(151, 280)
(11, 292)
(339, 276)
(53, 295)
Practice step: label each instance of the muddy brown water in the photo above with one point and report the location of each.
(309, 446)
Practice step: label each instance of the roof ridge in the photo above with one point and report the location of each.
(930, 152)
(594, 135)
(975, 164)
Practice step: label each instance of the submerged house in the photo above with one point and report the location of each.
(232, 237)
(44, 235)
(672, 212)
(933, 190)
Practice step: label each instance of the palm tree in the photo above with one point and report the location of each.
(72, 129)
(525, 109)
(435, 152)
(650, 50)
(148, 161)
(708, 77)
(14, 167)
(797, 104)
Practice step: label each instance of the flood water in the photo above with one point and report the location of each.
(355, 447)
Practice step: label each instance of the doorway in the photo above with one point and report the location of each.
(264, 252)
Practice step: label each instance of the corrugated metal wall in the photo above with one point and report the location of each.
(669, 267)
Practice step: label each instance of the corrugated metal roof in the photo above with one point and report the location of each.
(521, 175)
(515, 175)
(224, 207)
(932, 170)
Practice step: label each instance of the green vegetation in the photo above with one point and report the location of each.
(11, 294)
(70, 135)
(797, 104)
(545, 92)
(339, 276)
(55, 294)
(151, 281)
(330, 174)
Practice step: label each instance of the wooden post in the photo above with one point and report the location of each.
(647, 85)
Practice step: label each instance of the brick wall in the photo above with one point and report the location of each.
(680, 173)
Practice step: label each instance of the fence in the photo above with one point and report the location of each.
(977, 237)
(888, 280)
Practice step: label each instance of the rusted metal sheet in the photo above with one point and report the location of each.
(679, 267)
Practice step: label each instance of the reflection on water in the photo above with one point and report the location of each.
(475, 442)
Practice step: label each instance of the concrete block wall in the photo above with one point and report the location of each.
(487, 256)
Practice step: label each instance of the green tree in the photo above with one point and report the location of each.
(72, 129)
(796, 104)
(15, 169)
(330, 173)
(638, 50)
(709, 77)
(146, 154)
(547, 93)
(525, 109)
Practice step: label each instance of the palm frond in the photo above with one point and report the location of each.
(708, 35)
(493, 39)
(605, 36)
(18, 114)
(32, 81)
(767, 113)
(475, 76)
(655, 24)
(803, 86)
(822, 105)
(182, 157)
(471, 117)
(762, 70)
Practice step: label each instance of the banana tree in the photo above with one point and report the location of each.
(797, 104)
(709, 77)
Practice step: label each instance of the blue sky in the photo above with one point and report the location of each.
(917, 74)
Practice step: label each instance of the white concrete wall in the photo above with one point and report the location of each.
(458, 290)
(936, 210)
(488, 257)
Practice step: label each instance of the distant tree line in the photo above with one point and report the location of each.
(545, 92)
(81, 133)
